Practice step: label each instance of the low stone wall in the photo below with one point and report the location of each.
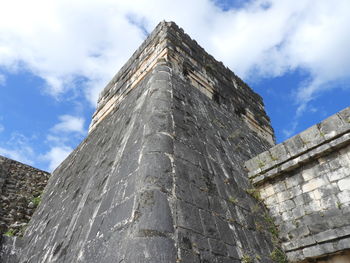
(305, 184)
(20, 189)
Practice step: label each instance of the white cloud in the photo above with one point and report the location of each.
(61, 40)
(2, 80)
(68, 131)
(61, 135)
(19, 155)
(18, 148)
(2, 128)
(56, 155)
(69, 123)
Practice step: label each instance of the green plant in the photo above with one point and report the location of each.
(274, 158)
(246, 259)
(339, 204)
(219, 123)
(261, 164)
(258, 257)
(254, 193)
(233, 200)
(231, 220)
(278, 255)
(256, 208)
(10, 232)
(259, 227)
(22, 230)
(271, 226)
(36, 200)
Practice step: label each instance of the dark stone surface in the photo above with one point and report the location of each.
(10, 249)
(161, 177)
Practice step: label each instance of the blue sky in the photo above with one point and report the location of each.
(55, 57)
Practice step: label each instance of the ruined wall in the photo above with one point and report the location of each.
(20, 188)
(160, 176)
(305, 184)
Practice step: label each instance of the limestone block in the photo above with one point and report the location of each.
(345, 116)
(331, 126)
(344, 184)
(279, 153)
(313, 184)
(344, 197)
(311, 137)
(308, 173)
(295, 145)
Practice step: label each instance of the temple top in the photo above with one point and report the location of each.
(169, 42)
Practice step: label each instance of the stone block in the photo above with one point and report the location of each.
(151, 249)
(158, 142)
(267, 191)
(217, 247)
(154, 215)
(311, 137)
(326, 235)
(187, 256)
(209, 225)
(224, 230)
(155, 171)
(308, 173)
(295, 145)
(265, 160)
(187, 217)
(232, 252)
(252, 164)
(344, 197)
(318, 226)
(330, 126)
(279, 153)
(344, 184)
(313, 184)
(292, 181)
(345, 116)
(343, 231)
(283, 196)
(295, 191)
(343, 244)
(158, 122)
(298, 212)
(295, 256)
(299, 232)
(313, 251)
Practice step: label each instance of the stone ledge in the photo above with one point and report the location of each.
(319, 250)
(325, 237)
(316, 141)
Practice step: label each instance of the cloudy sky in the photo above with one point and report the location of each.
(56, 55)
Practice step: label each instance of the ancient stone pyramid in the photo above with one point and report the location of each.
(160, 176)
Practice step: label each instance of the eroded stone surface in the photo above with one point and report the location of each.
(160, 177)
(307, 189)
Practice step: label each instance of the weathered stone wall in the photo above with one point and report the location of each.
(305, 184)
(160, 176)
(217, 219)
(20, 189)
